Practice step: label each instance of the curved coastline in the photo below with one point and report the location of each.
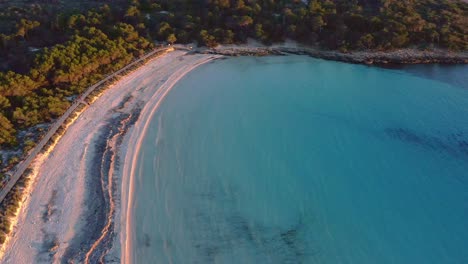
(202, 140)
(72, 207)
(132, 153)
(111, 147)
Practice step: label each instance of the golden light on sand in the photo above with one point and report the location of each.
(35, 166)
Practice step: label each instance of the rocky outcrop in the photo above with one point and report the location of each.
(406, 56)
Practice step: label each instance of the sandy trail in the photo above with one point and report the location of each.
(57, 211)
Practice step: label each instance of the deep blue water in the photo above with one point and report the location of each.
(299, 160)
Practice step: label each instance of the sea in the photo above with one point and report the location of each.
(291, 159)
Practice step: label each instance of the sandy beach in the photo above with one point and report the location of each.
(80, 199)
(76, 211)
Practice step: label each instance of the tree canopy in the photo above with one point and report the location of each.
(49, 53)
(96, 44)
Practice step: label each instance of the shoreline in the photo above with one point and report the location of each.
(73, 211)
(378, 58)
(102, 136)
(28, 168)
(132, 154)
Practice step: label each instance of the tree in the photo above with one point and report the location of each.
(126, 31)
(14, 84)
(366, 41)
(317, 23)
(259, 33)
(240, 4)
(164, 30)
(57, 106)
(76, 21)
(245, 21)
(4, 103)
(207, 39)
(6, 131)
(132, 11)
(229, 36)
(24, 26)
(171, 38)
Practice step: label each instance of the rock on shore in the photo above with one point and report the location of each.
(404, 56)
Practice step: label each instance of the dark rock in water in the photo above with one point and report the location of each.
(147, 241)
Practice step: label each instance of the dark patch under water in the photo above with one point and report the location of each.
(273, 243)
(244, 164)
(454, 144)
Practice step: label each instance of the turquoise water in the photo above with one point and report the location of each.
(299, 160)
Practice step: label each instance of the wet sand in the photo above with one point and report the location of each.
(73, 212)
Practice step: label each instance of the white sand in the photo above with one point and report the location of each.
(61, 178)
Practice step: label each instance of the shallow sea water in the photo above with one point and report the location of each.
(299, 160)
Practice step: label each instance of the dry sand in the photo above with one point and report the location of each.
(73, 212)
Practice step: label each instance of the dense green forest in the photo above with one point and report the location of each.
(48, 57)
(50, 51)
